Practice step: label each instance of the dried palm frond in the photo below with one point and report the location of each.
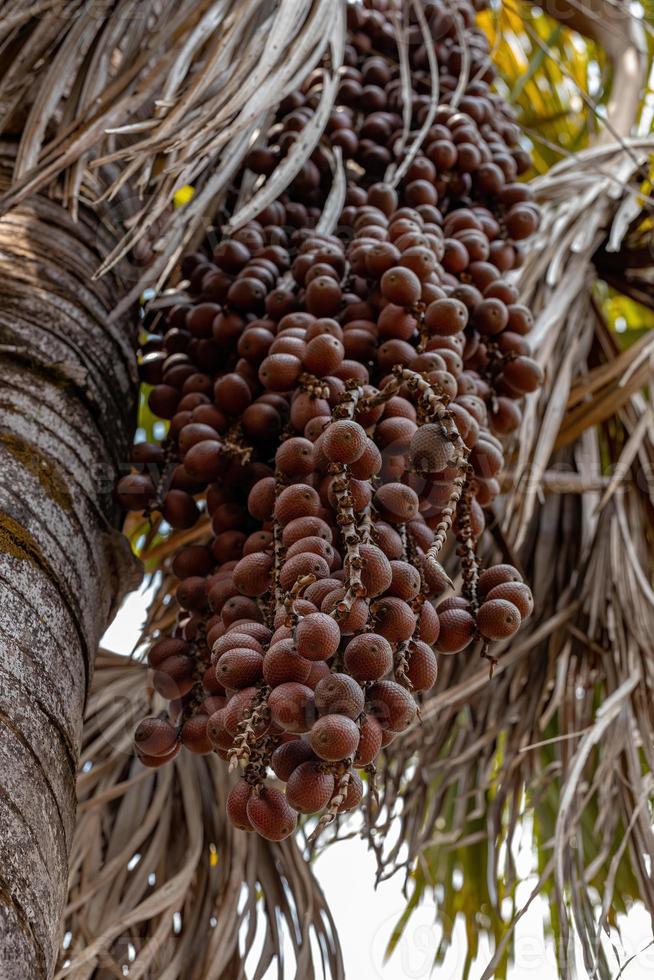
(159, 94)
(559, 743)
(160, 882)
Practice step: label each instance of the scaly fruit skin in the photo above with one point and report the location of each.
(335, 409)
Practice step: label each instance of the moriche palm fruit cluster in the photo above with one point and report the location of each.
(337, 407)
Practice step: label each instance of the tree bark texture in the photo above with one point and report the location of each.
(68, 387)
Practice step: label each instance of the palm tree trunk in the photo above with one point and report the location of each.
(67, 396)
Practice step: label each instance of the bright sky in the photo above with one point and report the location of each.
(365, 917)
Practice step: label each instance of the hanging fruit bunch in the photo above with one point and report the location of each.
(337, 406)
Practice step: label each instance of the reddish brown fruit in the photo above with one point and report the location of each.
(423, 669)
(317, 636)
(288, 756)
(396, 503)
(343, 441)
(339, 694)
(239, 668)
(292, 707)
(457, 630)
(392, 705)
(194, 735)
(252, 574)
(283, 664)
(155, 737)
(496, 575)
(516, 592)
(394, 619)
(309, 789)
(368, 657)
(237, 803)
(498, 619)
(353, 794)
(334, 737)
(174, 677)
(370, 742)
(270, 814)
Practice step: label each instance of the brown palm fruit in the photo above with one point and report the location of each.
(270, 814)
(239, 607)
(194, 735)
(237, 802)
(370, 741)
(233, 640)
(261, 499)
(292, 707)
(431, 450)
(343, 441)
(319, 669)
(339, 694)
(217, 731)
(173, 678)
(334, 737)
(315, 546)
(516, 592)
(428, 624)
(368, 464)
(253, 628)
(136, 491)
(396, 503)
(422, 668)
(252, 574)
(305, 527)
(353, 794)
(349, 622)
(376, 572)
(368, 657)
(457, 630)
(405, 581)
(288, 756)
(295, 458)
(497, 575)
(498, 619)
(238, 707)
(317, 636)
(239, 668)
(392, 705)
(394, 619)
(309, 789)
(298, 500)
(300, 566)
(168, 647)
(155, 761)
(282, 664)
(155, 737)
